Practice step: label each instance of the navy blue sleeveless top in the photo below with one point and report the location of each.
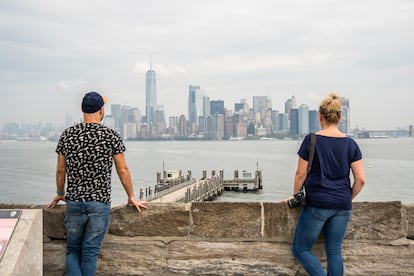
(328, 184)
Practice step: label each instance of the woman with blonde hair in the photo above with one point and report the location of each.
(329, 192)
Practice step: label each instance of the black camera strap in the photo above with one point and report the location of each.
(311, 155)
(311, 151)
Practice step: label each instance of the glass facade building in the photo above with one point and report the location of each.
(195, 103)
(151, 96)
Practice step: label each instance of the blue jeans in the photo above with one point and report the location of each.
(86, 224)
(312, 221)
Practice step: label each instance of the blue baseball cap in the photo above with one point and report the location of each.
(92, 102)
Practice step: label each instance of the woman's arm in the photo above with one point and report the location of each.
(300, 175)
(357, 168)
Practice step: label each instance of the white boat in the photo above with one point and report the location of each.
(238, 138)
(267, 138)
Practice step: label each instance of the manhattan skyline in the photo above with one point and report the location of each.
(232, 49)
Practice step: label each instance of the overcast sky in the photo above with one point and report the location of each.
(53, 52)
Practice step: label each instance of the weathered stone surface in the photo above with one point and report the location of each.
(230, 258)
(380, 259)
(377, 221)
(410, 218)
(132, 256)
(54, 258)
(53, 218)
(172, 219)
(53, 222)
(279, 221)
(226, 219)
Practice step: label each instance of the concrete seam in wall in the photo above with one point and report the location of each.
(404, 221)
(190, 213)
(167, 255)
(263, 219)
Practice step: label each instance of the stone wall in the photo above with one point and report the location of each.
(232, 238)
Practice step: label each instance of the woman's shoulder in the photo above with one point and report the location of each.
(331, 134)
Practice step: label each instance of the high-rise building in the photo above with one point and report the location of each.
(284, 122)
(182, 126)
(159, 119)
(260, 106)
(195, 103)
(116, 112)
(294, 122)
(206, 107)
(289, 104)
(242, 107)
(303, 119)
(109, 121)
(130, 120)
(217, 128)
(217, 107)
(229, 126)
(173, 123)
(344, 123)
(275, 120)
(314, 125)
(151, 95)
(238, 107)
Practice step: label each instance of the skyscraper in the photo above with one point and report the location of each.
(195, 103)
(303, 119)
(290, 103)
(344, 123)
(217, 107)
(182, 126)
(314, 125)
(206, 106)
(294, 122)
(116, 112)
(151, 95)
(159, 119)
(260, 106)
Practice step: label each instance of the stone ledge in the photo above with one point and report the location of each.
(158, 220)
(235, 220)
(24, 253)
(226, 220)
(410, 218)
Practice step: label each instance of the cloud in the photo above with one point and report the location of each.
(232, 48)
(72, 85)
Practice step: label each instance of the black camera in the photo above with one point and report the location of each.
(297, 200)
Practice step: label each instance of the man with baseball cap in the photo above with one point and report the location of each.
(92, 102)
(86, 152)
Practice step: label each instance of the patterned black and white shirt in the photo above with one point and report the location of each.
(88, 150)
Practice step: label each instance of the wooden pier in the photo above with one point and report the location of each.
(245, 183)
(174, 187)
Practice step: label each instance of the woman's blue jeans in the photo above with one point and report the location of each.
(86, 224)
(312, 221)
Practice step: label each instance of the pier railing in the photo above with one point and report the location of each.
(205, 190)
(170, 190)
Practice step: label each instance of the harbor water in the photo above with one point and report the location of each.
(27, 169)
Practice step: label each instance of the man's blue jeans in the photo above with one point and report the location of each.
(86, 224)
(311, 222)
